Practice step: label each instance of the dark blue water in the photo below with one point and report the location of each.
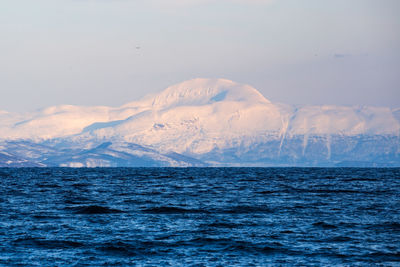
(200, 217)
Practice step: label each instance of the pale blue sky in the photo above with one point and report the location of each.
(83, 52)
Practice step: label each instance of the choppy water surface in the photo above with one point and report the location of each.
(199, 216)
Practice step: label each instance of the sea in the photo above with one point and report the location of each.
(200, 217)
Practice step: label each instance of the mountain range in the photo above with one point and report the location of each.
(202, 122)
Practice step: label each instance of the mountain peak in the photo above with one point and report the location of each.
(202, 91)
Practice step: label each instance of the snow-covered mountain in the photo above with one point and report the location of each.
(202, 122)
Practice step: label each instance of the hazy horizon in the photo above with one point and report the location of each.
(98, 52)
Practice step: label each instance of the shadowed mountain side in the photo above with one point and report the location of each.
(104, 155)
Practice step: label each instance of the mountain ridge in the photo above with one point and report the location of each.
(217, 122)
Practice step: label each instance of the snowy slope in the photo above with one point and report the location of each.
(107, 154)
(220, 120)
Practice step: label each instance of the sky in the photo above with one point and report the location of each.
(110, 52)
